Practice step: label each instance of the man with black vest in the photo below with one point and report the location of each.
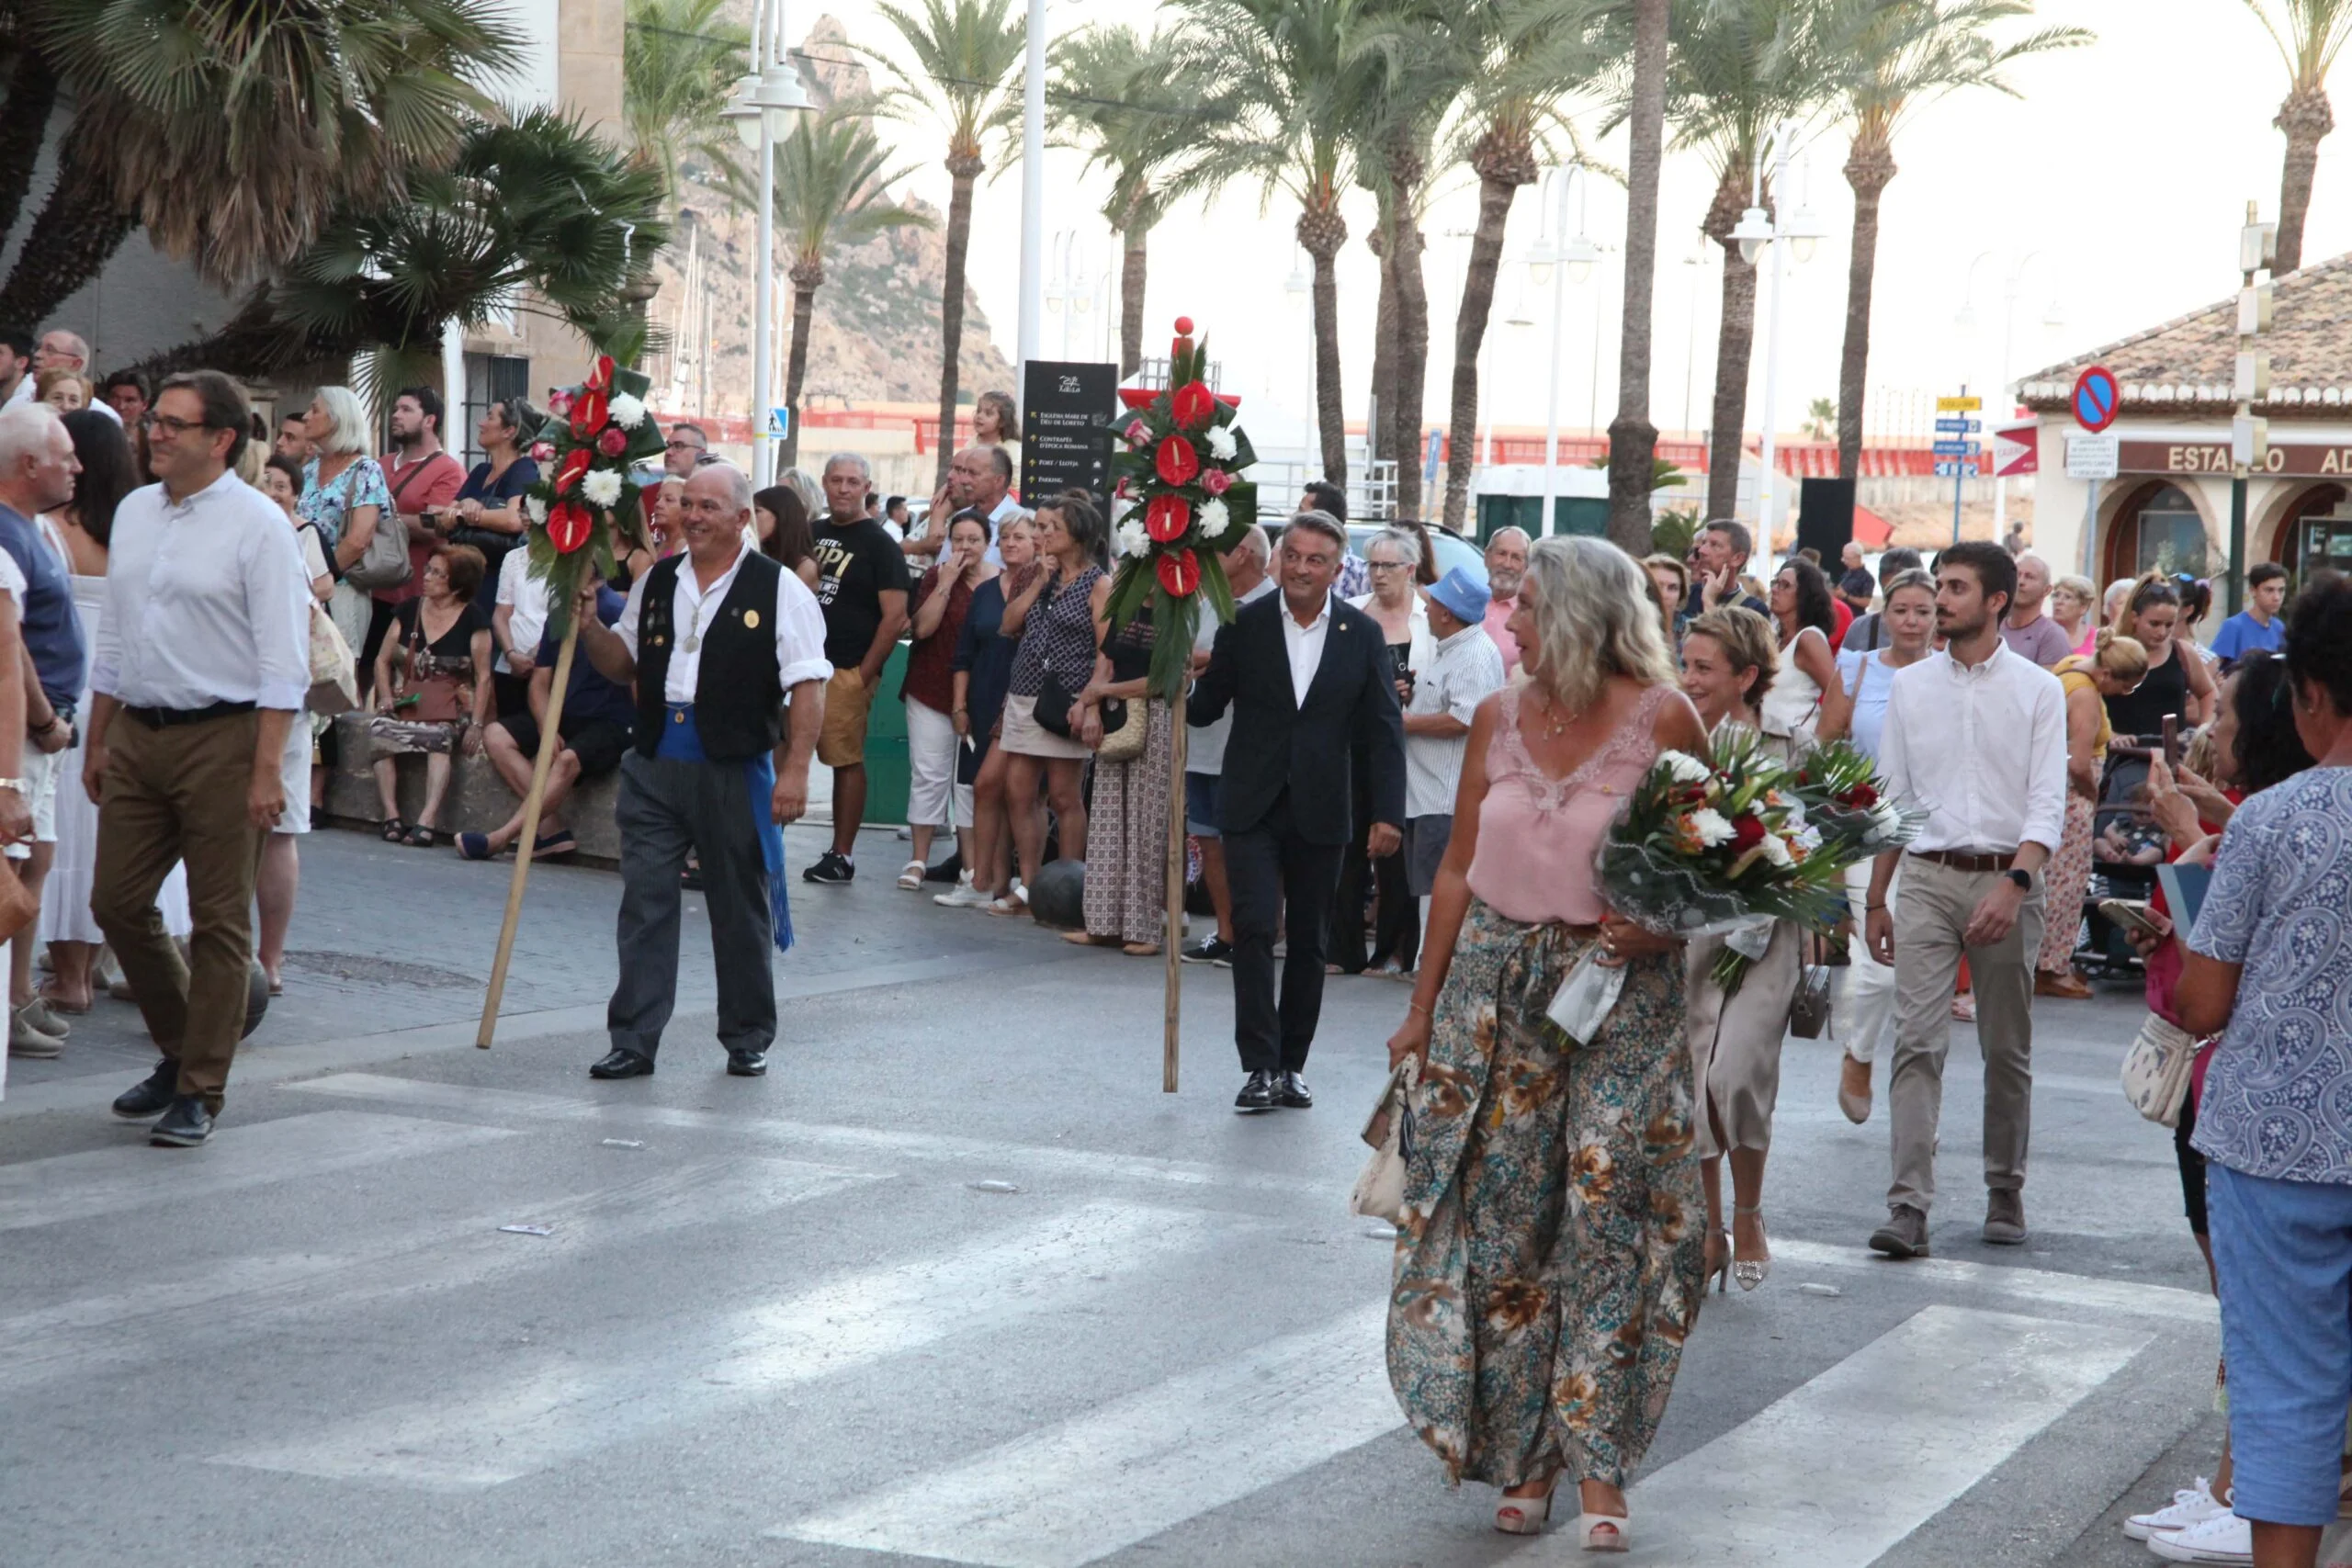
(717, 638)
(1309, 679)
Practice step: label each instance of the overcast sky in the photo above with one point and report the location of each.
(2119, 177)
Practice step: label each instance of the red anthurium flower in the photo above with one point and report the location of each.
(588, 414)
(614, 442)
(576, 464)
(1167, 518)
(1746, 833)
(600, 377)
(568, 526)
(1177, 462)
(1217, 482)
(1179, 573)
(1863, 798)
(1192, 406)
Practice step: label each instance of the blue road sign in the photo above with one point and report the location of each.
(1956, 471)
(1958, 448)
(779, 423)
(1959, 426)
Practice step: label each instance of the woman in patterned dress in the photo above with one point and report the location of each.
(1126, 823)
(1548, 1265)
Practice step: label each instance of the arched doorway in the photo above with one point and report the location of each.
(2158, 528)
(2285, 542)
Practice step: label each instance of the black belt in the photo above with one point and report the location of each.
(164, 718)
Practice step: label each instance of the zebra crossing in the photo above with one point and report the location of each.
(861, 1263)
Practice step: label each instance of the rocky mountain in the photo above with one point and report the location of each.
(877, 332)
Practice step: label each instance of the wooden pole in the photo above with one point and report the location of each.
(550, 741)
(1175, 937)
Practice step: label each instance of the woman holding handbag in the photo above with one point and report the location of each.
(487, 512)
(1056, 662)
(1126, 828)
(344, 498)
(433, 688)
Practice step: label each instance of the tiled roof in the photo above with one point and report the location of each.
(2186, 365)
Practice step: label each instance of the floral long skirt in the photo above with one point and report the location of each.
(1126, 840)
(2064, 885)
(1548, 1266)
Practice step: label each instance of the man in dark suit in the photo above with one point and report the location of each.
(1309, 679)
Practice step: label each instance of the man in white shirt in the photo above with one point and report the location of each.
(203, 659)
(1977, 737)
(719, 639)
(1245, 573)
(1464, 670)
(980, 479)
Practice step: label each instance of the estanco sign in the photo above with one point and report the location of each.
(2305, 461)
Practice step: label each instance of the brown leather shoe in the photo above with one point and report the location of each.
(2069, 986)
(1904, 1234)
(2005, 1217)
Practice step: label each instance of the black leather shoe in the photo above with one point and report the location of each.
(153, 1097)
(1257, 1093)
(186, 1125)
(623, 1064)
(1291, 1093)
(746, 1063)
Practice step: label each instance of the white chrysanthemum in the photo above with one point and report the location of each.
(1133, 540)
(601, 488)
(1776, 850)
(535, 509)
(1222, 445)
(1683, 767)
(1713, 828)
(1215, 518)
(627, 412)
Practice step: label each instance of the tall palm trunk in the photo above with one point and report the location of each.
(963, 167)
(72, 238)
(2306, 119)
(1869, 165)
(1499, 176)
(32, 92)
(1131, 271)
(1735, 345)
(1412, 354)
(1321, 231)
(808, 275)
(1384, 347)
(1632, 439)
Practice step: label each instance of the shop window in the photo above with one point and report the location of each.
(489, 377)
(2171, 535)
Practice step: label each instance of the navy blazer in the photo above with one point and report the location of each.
(1278, 745)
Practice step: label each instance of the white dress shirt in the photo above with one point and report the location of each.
(526, 595)
(207, 601)
(1982, 751)
(1305, 645)
(799, 627)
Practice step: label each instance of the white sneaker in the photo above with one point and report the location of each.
(965, 897)
(2224, 1538)
(2189, 1506)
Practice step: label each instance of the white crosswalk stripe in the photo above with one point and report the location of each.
(578, 1404)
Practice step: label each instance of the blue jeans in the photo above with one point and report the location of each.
(2283, 1250)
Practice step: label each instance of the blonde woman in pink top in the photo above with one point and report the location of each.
(1548, 1266)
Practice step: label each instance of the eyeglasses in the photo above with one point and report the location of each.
(171, 426)
(1385, 566)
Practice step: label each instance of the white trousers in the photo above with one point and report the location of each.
(1861, 1015)
(932, 747)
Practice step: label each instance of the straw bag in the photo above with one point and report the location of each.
(1125, 741)
(334, 678)
(2156, 1070)
(1379, 1192)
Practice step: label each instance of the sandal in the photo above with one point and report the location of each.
(910, 878)
(418, 838)
(1141, 950)
(393, 831)
(1006, 907)
(561, 842)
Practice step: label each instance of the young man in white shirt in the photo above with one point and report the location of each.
(1975, 736)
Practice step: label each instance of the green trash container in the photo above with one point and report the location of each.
(889, 772)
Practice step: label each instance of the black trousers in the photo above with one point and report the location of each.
(1265, 865)
(1397, 931)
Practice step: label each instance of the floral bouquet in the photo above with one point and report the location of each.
(585, 500)
(1179, 465)
(1845, 799)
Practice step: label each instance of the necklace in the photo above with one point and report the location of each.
(694, 627)
(1553, 728)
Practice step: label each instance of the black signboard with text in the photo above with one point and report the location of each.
(1065, 439)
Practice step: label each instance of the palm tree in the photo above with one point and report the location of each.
(832, 188)
(1820, 419)
(967, 55)
(1905, 56)
(540, 216)
(1136, 106)
(679, 62)
(2310, 34)
(231, 131)
(1632, 439)
(1741, 68)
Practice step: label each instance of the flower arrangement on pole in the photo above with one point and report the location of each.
(1178, 460)
(586, 503)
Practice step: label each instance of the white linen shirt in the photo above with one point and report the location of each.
(526, 595)
(207, 601)
(799, 627)
(1463, 671)
(1306, 645)
(1204, 752)
(1982, 751)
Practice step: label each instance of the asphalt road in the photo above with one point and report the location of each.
(957, 1282)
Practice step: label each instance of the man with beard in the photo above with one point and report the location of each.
(1506, 566)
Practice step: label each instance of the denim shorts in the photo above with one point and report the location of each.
(1204, 804)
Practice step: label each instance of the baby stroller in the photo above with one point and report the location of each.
(2126, 848)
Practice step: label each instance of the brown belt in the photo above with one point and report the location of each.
(1967, 863)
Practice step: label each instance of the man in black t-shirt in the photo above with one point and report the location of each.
(1857, 587)
(862, 587)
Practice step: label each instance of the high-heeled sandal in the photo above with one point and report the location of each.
(1603, 1532)
(1520, 1516)
(1718, 1264)
(1749, 1272)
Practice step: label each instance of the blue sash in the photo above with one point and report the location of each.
(682, 743)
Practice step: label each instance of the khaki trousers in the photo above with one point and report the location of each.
(179, 795)
(1931, 911)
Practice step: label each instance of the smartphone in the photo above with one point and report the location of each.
(2134, 915)
(2172, 741)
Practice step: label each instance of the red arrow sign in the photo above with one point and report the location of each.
(2016, 449)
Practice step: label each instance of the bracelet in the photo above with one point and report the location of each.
(1873, 909)
(1416, 1007)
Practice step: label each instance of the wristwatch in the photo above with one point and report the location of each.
(2024, 879)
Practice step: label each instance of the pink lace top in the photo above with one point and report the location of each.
(1538, 835)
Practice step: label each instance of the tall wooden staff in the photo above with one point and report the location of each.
(1175, 935)
(551, 742)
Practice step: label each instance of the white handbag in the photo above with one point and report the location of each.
(2156, 1070)
(1379, 1192)
(334, 677)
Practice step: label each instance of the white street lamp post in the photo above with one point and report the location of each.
(762, 109)
(1756, 230)
(1033, 191)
